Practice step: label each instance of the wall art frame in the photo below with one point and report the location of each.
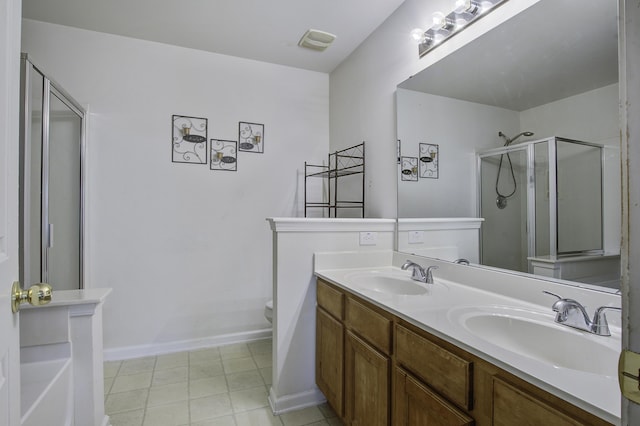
(223, 155)
(429, 156)
(251, 137)
(409, 169)
(189, 139)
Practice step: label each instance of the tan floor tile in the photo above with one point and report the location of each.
(110, 368)
(207, 387)
(237, 365)
(327, 411)
(180, 359)
(237, 350)
(160, 395)
(220, 421)
(263, 360)
(302, 417)
(201, 371)
(261, 347)
(108, 382)
(126, 401)
(131, 382)
(335, 421)
(267, 375)
(259, 417)
(138, 365)
(204, 355)
(128, 418)
(210, 407)
(320, 423)
(244, 380)
(249, 399)
(176, 413)
(169, 376)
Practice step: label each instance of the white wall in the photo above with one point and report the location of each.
(186, 249)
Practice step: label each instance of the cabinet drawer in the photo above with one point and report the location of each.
(442, 370)
(513, 406)
(330, 299)
(369, 324)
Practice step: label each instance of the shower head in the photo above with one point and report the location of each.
(508, 141)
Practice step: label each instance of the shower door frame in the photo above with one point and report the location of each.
(50, 87)
(529, 149)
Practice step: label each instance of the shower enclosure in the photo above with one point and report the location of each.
(52, 132)
(541, 202)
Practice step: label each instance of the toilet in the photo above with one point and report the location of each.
(268, 311)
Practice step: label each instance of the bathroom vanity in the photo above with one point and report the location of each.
(390, 350)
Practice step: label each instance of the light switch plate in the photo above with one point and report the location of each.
(416, 237)
(368, 238)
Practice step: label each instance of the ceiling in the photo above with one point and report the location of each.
(262, 30)
(550, 51)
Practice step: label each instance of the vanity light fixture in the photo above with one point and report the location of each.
(444, 26)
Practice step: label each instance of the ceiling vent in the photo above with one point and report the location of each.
(316, 40)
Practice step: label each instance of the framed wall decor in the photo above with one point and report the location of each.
(409, 168)
(429, 157)
(224, 155)
(251, 137)
(189, 139)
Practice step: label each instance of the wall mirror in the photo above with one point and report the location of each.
(548, 74)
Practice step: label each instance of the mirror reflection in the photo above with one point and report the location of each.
(525, 123)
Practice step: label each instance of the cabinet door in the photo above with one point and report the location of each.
(329, 359)
(366, 384)
(513, 406)
(417, 405)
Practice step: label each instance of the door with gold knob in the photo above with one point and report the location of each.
(10, 19)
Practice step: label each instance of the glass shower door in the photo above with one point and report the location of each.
(64, 201)
(503, 205)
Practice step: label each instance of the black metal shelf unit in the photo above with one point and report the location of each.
(342, 163)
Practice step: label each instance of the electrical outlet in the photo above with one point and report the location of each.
(416, 237)
(368, 238)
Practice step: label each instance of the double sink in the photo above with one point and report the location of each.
(523, 329)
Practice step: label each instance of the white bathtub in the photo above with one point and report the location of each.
(46, 386)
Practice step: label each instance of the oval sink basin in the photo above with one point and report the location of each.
(535, 335)
(388, 282)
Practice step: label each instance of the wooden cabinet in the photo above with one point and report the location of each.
(366, 384)
(416, 405)
(378, 369)
(329, 359)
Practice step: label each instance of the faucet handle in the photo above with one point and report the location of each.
(552, 294)
(599, 325)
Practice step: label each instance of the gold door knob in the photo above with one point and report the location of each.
(36, 295)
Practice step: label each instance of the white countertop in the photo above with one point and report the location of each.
(436, 312)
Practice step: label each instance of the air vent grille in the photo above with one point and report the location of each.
(316, 40)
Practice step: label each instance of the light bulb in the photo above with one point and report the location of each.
(438, 20)
(417, 34)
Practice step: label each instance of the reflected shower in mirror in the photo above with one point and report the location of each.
(547, 75)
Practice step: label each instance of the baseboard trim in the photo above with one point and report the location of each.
(129, 352)
(296, 401)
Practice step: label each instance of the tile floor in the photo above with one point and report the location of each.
(225, 386)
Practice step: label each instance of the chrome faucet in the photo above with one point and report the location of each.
(571, 313)
(419, 273)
